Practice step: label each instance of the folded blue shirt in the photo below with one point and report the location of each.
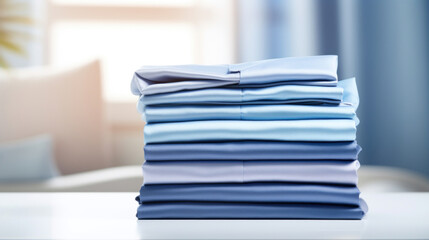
(184, 172)
(252, 150)
(250, 193)
(204, 210)
(314, 70)
(174, 112)
(155, 114)
(330, 130)
(228, 96)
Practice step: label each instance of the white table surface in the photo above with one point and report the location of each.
(112, 216)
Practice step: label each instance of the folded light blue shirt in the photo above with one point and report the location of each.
(154, 114)
(313, 70)
(330, 130)
(251, 193)
(241, 96)
(185, 172)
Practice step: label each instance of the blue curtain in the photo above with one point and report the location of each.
(384, 43)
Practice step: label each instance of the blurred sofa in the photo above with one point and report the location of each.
(63, 103)
(116, 179)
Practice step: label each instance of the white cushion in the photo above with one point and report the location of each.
(27, 160)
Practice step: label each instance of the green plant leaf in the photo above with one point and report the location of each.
(3, 63)
(16, 20)
(13, 13)
(8, 5)
(11, 46)
(14, 34)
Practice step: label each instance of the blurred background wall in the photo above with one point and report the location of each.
(383, 43)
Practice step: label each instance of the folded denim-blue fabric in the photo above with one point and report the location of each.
(252, 150)
(203, 210)
(251, 193)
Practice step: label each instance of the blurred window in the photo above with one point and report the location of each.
(126, 34)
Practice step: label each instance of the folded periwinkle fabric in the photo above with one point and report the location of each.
(315, 70)
(226, 130)
(251, 192)
(251, 150)
(272, 139)
(202, 210)
(183, 172)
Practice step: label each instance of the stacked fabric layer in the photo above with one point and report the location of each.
(266, 139)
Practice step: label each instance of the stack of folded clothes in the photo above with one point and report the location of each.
(272, 139)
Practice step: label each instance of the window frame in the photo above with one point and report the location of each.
(123, 113)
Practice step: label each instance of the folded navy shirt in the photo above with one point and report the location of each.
(204, 210)
(314, 70)
(251, 150)
(251, 193)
